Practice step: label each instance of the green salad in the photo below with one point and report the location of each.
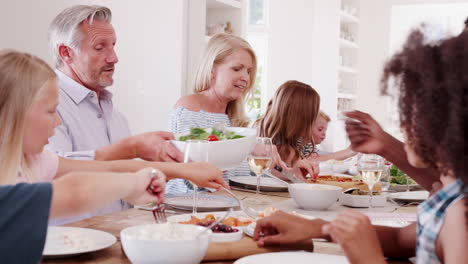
(197, 133)
(399, 177)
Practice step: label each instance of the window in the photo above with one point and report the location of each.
(257, 36)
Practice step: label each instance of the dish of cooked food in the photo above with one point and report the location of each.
(343, 182)
(230, 221)
(210, 134)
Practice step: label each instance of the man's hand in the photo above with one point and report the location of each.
(154, 146)
(356, 235)
(365, 134)
(283, 228)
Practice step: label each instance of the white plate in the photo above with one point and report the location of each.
(292, 257)
(362, 201)
(266, 183)
(205, 202)
(417, 196)
(64, 241)
(402, 187)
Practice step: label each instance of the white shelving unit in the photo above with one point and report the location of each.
(206, 14)
(222, 12)
(348, 55)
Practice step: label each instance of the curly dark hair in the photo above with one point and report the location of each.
(433, 84)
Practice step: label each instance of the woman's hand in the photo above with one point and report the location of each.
(356, 235)
(283, 228)
(148, 188)
(203, 174)
(365, 134)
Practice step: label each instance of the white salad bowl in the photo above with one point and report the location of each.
(225, 154)
(168, 243)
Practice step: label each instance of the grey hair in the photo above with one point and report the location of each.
(64, 29)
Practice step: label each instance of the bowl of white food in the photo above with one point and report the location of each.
(227, 151)
(169, 243)
(314, 196)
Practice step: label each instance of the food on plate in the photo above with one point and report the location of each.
(344, 182)
(212, 134)
(361, 192)
(219, 228)
(167, 231)
(271, 210)
(399, 177)
(230, 221)
(76, 240)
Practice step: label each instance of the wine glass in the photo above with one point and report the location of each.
(370, 166)
(195, 151)
(260, 158)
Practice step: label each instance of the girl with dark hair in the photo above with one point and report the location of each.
(433, 82)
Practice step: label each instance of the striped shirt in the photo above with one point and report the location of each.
(181, 120)
(87, 125)
(431, 216)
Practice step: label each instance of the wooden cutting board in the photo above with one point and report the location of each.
(247, 246)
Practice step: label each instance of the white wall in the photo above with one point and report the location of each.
(375, 49)
(151, 47)
(289, 43)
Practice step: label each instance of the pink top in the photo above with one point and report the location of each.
(44, 167)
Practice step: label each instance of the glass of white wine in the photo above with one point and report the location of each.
(260, 157)
(196, 151)
(370, 166)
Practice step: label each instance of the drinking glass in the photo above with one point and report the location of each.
(260, 157)
(385, 179)
(370, 166)
(195, 151)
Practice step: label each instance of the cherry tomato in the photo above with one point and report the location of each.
(213, 138)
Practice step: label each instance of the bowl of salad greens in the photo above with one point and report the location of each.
(399, 181)
(227, 147)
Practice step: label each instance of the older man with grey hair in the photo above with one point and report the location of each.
(82, 42)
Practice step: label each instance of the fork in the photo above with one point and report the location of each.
(247, 210)
(159, 214)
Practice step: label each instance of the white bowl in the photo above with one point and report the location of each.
(228, 237)
(168, 243)
(226, 154)
(362, 200)
(314, 196)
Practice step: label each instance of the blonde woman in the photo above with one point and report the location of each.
(28, 102)
(288, 121)
(223, 81)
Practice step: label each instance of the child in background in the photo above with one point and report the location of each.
(288, 121)
(319, 132)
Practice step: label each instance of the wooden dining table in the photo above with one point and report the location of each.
(113, 223)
